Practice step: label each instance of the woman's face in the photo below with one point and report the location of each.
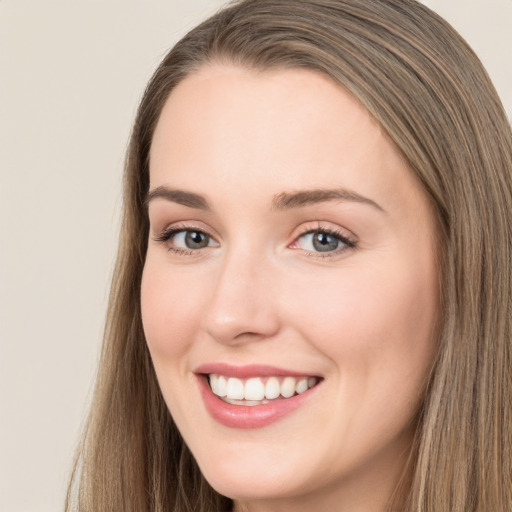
(291, 252)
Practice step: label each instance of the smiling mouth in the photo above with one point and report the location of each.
(258, 390)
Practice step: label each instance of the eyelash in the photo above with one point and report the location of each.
(347, 242)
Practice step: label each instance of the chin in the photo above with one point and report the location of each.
(253, 478)
(252, 486)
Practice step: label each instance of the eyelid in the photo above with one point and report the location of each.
(191, 225)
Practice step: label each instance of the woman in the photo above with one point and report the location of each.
(311, 308)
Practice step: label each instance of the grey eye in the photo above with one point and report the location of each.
(189, 239)
(196, 240)
(323, 242)
(319, 241)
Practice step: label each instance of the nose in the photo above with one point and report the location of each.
(243, 305)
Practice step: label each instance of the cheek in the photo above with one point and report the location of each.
(367, 304)
(170, 310)
(376, 324)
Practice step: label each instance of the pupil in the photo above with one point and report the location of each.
(323, 242)
(196, 240)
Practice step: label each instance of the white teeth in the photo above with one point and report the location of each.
(272, 388)
(218, 384)
(288, 387)
(235, 389)
(255, 390)
(222, 385)
(302, 385)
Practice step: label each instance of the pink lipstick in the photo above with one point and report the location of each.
(252, 396)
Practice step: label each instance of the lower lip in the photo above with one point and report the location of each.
(245, 416)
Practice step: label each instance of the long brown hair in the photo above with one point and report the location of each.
(429, 92)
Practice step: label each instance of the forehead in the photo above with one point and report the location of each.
(222, 105)
(288, 128)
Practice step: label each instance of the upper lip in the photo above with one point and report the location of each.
(248, 371)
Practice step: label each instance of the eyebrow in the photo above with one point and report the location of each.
(182, 197)
(280, 202)
(287, 201)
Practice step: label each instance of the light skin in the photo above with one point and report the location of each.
(231, 151)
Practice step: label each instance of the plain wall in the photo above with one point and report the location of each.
(71, 75)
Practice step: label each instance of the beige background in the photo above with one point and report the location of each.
(71, 73)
